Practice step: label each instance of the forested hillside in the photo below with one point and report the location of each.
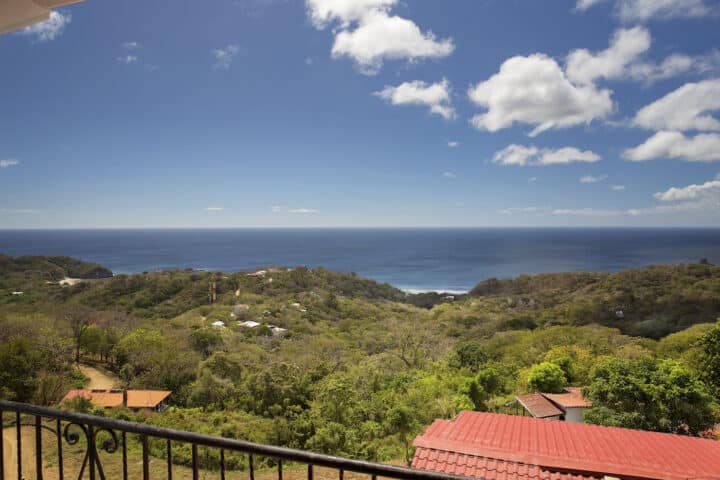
(344, 365)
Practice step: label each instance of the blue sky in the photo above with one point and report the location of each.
(262, 113)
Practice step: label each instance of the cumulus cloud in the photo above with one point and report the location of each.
(644, 10)
(214, 209)
(684, 109)
(522, 156)
(626, 46)
(449, 175)
(50, 29)
(8, 163)
(535, 90)
(369, 34)
(131, 45)
(224, 56)
(453, 144)
(707, 191)
(675, 145)
(593, 179)
(324, 12)
(436, 96)
(617, 188)
(127, 59)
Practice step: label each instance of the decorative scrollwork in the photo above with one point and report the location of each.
(92, 459)
(109, 445)
(73, 437)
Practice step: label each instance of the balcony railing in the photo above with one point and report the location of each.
(98, 438)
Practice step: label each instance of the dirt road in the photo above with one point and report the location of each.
(99, 380)
(28, 452)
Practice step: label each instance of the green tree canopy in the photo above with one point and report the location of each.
(547, 377)
(650, 394)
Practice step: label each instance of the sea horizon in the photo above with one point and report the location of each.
(417, 259)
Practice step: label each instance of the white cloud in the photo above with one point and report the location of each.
(449, 175)
(583, 5)
(684, 109)
(626, 46)
(214, 209)
(675, 145)
(304, 210)
(593, 179)
(522, 156)
(708, 190)
(533, 179)
(324, 12)
(535, 90)
(644, 10)
(617, 188)
(523, 210)
(276, 208)
(50, 29)
(369, 34)
(127, 59)
(453, 144)
(224, 56)
(8, 163)
(131, 45)
(589, 212)
(436, 96)
(379, 37)
(18, 211)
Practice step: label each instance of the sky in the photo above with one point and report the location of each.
(363, 113)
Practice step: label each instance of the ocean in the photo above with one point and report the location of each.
(451, 260)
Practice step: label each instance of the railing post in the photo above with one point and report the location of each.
(145, 460)
(18, 428)
(2, 448)
(195, 461)
(92, 452)
(58, 431)
(38, 447)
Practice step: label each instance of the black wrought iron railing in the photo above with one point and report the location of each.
(96, 439)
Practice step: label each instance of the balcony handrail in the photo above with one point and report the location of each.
(242, 446)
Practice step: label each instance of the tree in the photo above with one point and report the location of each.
(401, 421)
(79, 319)
(470, 355)
(650, 394)
(547, 377)
(93, 339)
(710, 343)
(204, 340)
(19, 363)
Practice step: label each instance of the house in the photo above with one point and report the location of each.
(492, 446)
(249, 324)
(218, 324)
(135, 399)
(147, 399)
(99, 398)
(277, 331)
(258, 274)
(241, 307)
(568, 406)
(18, 293)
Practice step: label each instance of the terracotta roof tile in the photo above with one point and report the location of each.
(146, 398)
(545, 447)
(572, 398)
(539, 406)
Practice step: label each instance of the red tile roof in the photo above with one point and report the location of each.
(146, 398)
(575, 448)
(99, 398)
(572, 398)
(539, 406)
(486, 468)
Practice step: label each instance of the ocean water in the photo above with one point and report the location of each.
(452, 260)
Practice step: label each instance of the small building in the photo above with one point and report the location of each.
(99, 398)
(492, 446)
(258, 274)
(277, 331)
(241, 307)
(18, 293)
(219, 324)
(155, 400)
(249, 324)
(568, 406)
